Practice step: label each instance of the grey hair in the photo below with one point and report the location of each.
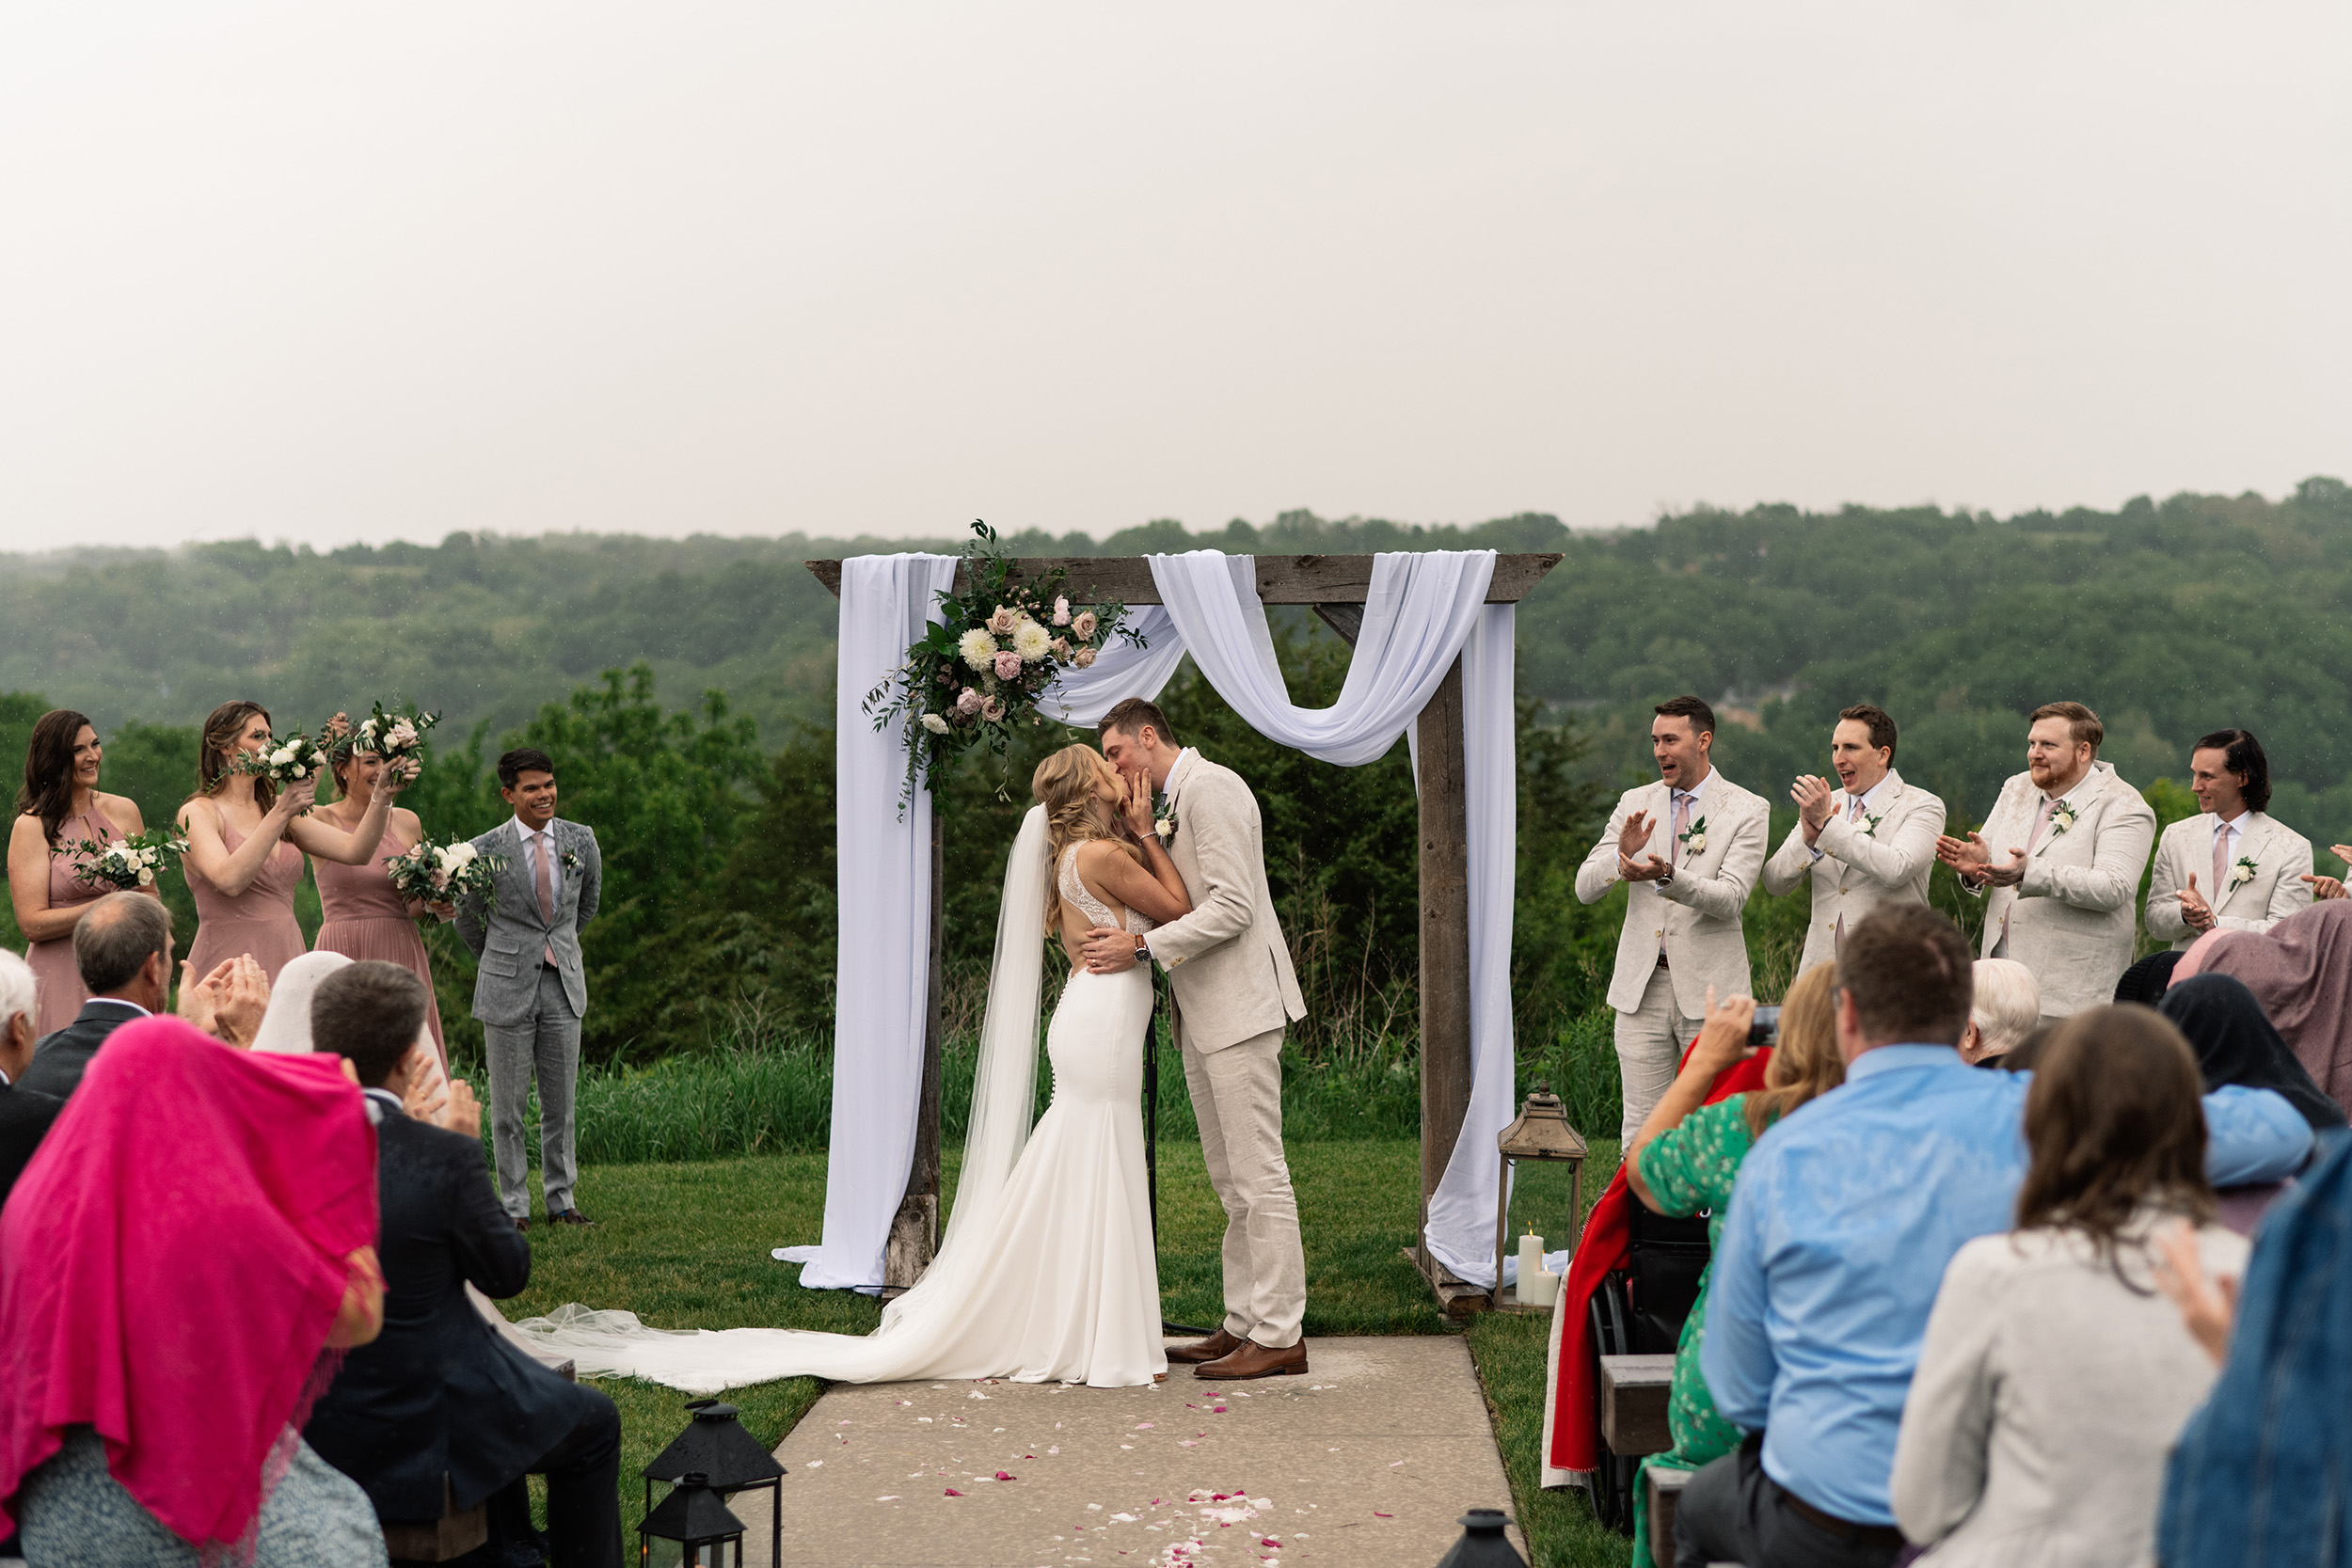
(115, 936)
(17, 990)
(2007, 1005)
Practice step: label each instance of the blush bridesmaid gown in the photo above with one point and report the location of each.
(58, 989)
(258, 921)
(366, 919)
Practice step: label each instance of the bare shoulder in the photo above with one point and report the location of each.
(411, 826)
(1098, 856)
(123, 812)
(27, 829)
(197, 809)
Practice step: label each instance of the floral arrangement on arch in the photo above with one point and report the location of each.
(975, 673)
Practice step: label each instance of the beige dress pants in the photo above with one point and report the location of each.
(1650, 1041)
(1237, 1098)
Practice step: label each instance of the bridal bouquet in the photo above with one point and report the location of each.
(397, 736)
(285, 761)
(126, 862)
(977, 670)
(445, 872)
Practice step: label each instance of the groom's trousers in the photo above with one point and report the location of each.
(1237, 1098)
(546, 1045)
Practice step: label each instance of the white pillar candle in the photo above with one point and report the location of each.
(1543, 1291)
(1531, 1264)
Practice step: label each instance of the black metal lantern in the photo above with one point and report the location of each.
(730, 1460)
(692, 1515)
(1482, 1543)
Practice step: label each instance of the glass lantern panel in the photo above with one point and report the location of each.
(1540, 1197)
(671, 1554)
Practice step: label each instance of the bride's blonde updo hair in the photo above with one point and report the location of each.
(1064, 785)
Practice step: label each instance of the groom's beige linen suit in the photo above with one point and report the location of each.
(2272, 890)
(1235, 990)
(1881, 854)
(2070, 921)
(1679, 937)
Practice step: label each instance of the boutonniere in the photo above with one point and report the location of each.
(570, 861)
(2062, 818)
(1693, 838)
(1870, 824)
(1165, 826)
(2242, 872)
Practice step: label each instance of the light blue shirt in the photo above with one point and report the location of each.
(1843, 1218)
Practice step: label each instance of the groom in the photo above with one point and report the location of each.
(1234, 992)
(530, 992)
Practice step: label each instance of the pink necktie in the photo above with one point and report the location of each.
(2039, 822)
(1682, 820)
(2220, 868)
(546, 885)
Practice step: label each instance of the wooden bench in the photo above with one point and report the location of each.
(1662, 1489)
(1635, 1391)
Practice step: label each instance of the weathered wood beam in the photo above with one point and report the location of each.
(915, 1229)
(1445, 966)
(1282, 579)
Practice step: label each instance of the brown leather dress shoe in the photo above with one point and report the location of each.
(1255, 1360)
(1219, 1343)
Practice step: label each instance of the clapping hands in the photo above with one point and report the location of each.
(1973, 860)
(2325, 888)
(229, 1003)
(1635, 838)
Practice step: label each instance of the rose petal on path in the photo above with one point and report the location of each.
(953, 1492)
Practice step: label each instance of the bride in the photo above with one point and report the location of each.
(1047, 1271)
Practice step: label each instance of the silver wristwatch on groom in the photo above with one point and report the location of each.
(1236, 993)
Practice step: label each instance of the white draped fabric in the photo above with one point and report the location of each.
(883, 968)
(1422, 610)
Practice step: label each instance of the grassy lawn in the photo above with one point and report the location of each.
(686, 1246)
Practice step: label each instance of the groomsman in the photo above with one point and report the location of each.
(1688, 847)
(2230, 867)
(2060, 858)
(1868, 841)
(532, 990)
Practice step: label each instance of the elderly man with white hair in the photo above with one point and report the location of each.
(24, 1114)
(2006, 1005)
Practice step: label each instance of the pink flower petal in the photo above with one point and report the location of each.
(953, 1492)
(1003, 1474)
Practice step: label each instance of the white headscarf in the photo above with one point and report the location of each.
(286, 1023)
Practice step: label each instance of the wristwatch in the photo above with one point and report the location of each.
(1143, 950)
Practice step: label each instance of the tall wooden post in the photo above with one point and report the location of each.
(915, 1229)
(1445, 966)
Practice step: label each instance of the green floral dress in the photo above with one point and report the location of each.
(1689, 1167)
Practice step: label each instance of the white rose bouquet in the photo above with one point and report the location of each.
(292, 759)
(126, 862)
(445, 872)
(396, 735)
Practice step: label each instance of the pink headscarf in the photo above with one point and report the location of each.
(2300, 971)
(171, 1264)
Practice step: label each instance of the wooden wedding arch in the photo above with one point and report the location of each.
(1335, 586)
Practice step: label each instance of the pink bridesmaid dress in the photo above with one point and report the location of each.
(366, 919)
(58, 989)
(258, 921)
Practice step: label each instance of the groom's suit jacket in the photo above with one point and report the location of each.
(1882, 859)
(2281, 857)
(2070, 921)
(510, 937)
(1227, 960)
(1696, 916)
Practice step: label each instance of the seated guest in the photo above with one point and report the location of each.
(441, 1400)
(2232, 867)
(122, 946)
(2257, 1478)
(2053, 1377)
(2300, 973)
(24, 1114)
(1686, 1157)
(177, 1266)
(2006, 1007)
(2144, 982)
(2234, 1043)
(1840, 1226)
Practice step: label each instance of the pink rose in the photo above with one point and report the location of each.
(1008, 665)
(1083, 627)
(1062, 613)
(1061, 648)
(1003, 621)
(1083, 658)
(967, 702)
(992, 709)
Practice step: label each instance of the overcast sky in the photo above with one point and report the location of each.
(354, 271)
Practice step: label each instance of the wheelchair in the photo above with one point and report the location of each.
(1638, 1310)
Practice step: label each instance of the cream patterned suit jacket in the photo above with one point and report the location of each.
(1227, 960)
(1883, 859)
(2070, 921)
(2282, 858)
(1697, 914)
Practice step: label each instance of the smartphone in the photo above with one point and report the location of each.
(1766, 1029)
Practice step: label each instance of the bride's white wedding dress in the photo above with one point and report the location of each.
(1047, 1271)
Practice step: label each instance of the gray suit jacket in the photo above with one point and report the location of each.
(1227, 960)
(510, 937)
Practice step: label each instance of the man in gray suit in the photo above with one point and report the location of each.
(531, 993)
(1235, 991)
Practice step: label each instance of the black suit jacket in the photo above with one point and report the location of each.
(25, 1118)
(439, 1391)
(60, 1059)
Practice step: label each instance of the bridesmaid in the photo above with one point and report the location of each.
(245, 844)
(60, 803)
(365, 918)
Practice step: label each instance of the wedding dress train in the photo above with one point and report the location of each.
(1047, 1271)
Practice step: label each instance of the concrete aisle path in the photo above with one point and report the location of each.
(1367, 1460)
